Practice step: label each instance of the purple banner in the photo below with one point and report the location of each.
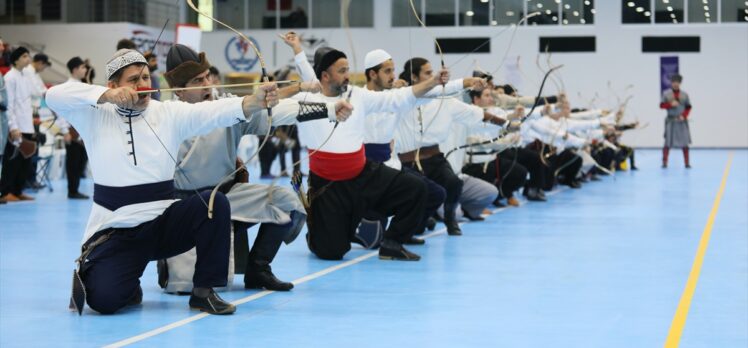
(668, 67)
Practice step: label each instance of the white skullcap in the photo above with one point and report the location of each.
(121, 59)
(375, 58)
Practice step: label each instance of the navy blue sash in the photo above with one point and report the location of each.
(379, 153)
(113, 198)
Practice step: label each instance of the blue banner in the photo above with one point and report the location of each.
(668, 68)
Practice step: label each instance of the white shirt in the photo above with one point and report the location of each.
(104, 132)
(20, 91)
(380, 126)
(431, 124)
(38, 86)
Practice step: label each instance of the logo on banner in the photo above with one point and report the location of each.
(239, 55)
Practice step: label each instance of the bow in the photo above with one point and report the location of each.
(269, 109)
(505, 131)
(444, 90)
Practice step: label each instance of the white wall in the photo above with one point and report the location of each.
(96, 41)
(716, 78)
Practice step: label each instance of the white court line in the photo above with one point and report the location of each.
(264, 293)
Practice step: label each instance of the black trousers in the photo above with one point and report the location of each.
(112, 271)
(507, 175)
(75, 155)
(338, 206)
(293, 133)
(267, 155)
(531, 161)
(440, 171)
(15, 170)
(567, 164)
(265, 247)
(435, 196)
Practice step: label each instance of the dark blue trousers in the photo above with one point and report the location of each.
(113, 269)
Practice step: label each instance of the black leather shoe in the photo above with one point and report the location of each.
(453, 228)
(211, 304)
(265, 279)
(415, 241)
(575, 184)
(77, 195)
(392, 250)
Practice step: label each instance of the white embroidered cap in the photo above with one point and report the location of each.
(375, 58)
(121, 59)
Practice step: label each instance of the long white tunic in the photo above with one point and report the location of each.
(105, 134)
(20, 91)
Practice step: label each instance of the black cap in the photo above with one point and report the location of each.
(324, 57)
(676, 78)
(508, 89)
(41, 57)
(74, 63)
(17, 53)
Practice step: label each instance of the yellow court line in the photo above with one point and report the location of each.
(679, 320)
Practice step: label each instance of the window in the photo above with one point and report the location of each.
(669, 11)
(440, 13)
(702, 11)
(262, 14)
(549, 12)
(474, 12)
(507, 12)
(402, 14)
(294, 14)
(230, 12)
(327, 13)
(636, 11)
(734, 11)
(578, 12)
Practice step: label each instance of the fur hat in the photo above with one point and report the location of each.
(183, 64)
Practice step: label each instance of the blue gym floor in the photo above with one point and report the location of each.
(604, 266)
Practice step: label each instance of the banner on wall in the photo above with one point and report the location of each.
(668, 67)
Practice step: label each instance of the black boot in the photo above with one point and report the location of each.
(430, 223)
(392, 250)
(415, 241)
(453, 228)
(267, 280)
(210, 303)
(534, 194)
(257, 273)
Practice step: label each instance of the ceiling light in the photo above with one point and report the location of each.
(509, 13)
(631, 4)
(554, 18)
(566, 21)
(675, 21)
(707, 15)
(547, 12)
(581, 20)
(708, 20)
(484, 1)
(539, 5)
(665, 1)
(567, 6)
(469, 13)
(558, 1)
(587, 2)
(576, 13)
(672, 15)
(706, 8)
(640, 9)
(647, 13)
(670, 8)
(593, 11)
(494, 22)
